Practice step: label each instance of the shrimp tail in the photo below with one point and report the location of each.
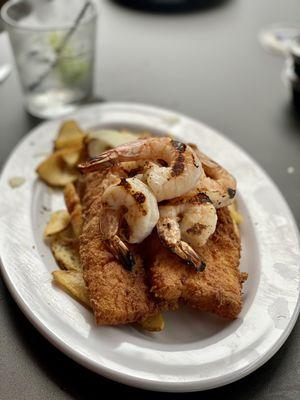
(170, 238)
(102, 162)
(189, 256)
(112, 157)
(121, 252)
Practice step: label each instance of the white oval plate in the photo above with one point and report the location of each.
(196, 351)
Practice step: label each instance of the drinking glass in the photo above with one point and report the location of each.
(53, 42)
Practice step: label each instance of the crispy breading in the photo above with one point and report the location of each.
(117, 295)
(217, 289)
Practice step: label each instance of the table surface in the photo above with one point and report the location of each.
(209, 65)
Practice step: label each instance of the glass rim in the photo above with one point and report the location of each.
(12, 23)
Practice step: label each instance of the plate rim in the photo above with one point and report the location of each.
(122, 377)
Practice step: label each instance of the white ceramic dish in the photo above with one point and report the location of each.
(196, 351)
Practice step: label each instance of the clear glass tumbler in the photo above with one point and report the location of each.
(54, 46)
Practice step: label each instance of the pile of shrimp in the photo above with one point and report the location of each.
(169, 185)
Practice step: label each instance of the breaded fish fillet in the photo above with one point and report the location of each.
(217, 289)
(117, 295)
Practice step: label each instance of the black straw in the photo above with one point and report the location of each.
(61, 47)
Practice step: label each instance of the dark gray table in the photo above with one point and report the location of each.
(209, 65)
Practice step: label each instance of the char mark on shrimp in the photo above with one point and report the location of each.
(133, 172)
(139, 197)
(198, 198)
(196, 229)
(178, 167)
(201, 198)
(126, 185)
(181, 147)
(231, 192)
(162, 162)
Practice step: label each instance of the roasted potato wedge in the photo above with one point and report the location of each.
(66, 254)
(74, 207)
(59, 221)
(71, 197)
(99, 141)
(77, 220)
(67, 235)
(72, 158)
(54, 171)
(72, 283)
(69, 135)
(237, 217)
(154, 323)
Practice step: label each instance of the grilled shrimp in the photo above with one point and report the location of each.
(171, 170)
(109, 227)
(217, 183)
(129, 209)
(185, 224)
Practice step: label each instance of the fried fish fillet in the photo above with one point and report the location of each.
(217, 289)
(117, 296)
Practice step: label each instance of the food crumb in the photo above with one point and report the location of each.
(290, 170)
(45, 208)
(41, 154)
(16, 181)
